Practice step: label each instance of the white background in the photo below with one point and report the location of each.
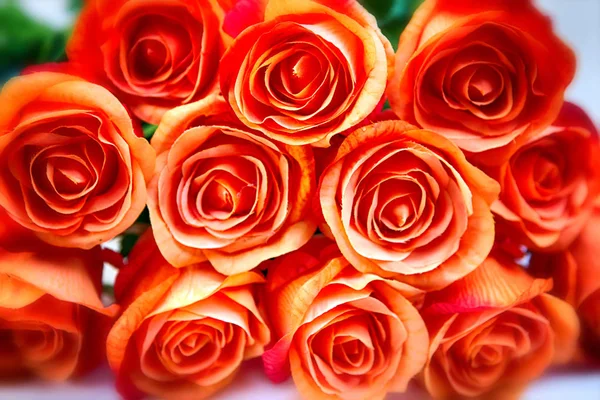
(578, 22)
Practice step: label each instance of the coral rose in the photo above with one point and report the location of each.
(341, 334)
(494, 331)
(576, 273)
(311, 70)
(71, 166)
(184, 331)
(155, 55)
(404, 202)
(52, 322)
(549, 185)
(485, 74)
(224, 193)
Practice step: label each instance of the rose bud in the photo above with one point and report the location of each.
(576, 273)
(155, 55)
(494, 331)
(549, 184)
(404, 202)
(52, 322)
(486, 74)
(227, 194)
(310, 70)
(71, 166)
(184, 332)
(341, 334)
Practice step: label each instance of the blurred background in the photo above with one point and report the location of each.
(36, 31)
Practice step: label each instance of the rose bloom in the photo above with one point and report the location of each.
(576, 273)
(341, 334)
(71, 166)
(311, 70)
(404, 202)
(494, 331)
(549, 185)
(485, 74)
(52, 322)
(184, 332)
(155, 55)
(227, 194)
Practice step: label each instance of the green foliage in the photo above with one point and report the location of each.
(127, 243)
(149, 130)
(109, 291)
(144, 217)
(75, 5)
(392, 15)
(128, 239)
(24, 41)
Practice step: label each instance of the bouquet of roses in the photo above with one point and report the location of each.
(359, 217)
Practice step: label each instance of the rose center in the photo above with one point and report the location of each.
(67, 175)
(398, 213)
(484, 85)
(190, 347)
(39, 344)
(151, 56)
(540, 171)
(547, 174)
(218, 197)
(348, 350)
(300, 70)
(225, 195)
(488, 356)
(159, 49)
(191, 344)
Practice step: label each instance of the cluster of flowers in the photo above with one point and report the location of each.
(271, 129)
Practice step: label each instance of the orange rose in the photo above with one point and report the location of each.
(485, 74)
(52, 322)
(227, 194)
(404, 202)
(549, 185)
(311, 70)
(576, 273)
(342, 334)
(494, 331)
(71, 166)
(184, 332)
(155, 55)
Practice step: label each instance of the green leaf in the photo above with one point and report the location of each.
(20, 37)
(131, 236)
(127, 243)
(75, 5)
(149, 130)
(144, 217)
(108, 290)
(7, 73)
(24, 41)
(392, 15)
(52, 49)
